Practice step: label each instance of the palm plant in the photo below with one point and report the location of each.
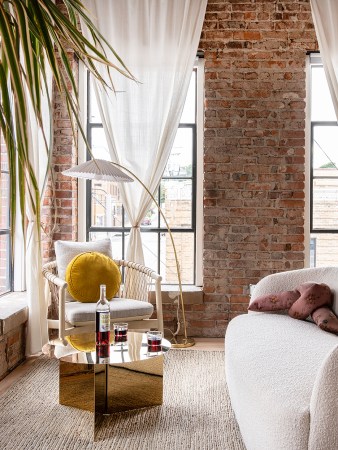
(35, 38)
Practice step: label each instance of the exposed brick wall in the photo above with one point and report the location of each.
(59, 214)
(12, 349)
(13, 324)
(255, 55)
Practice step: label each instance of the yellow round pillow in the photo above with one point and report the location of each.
(87, 271)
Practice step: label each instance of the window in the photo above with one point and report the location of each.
(323, 170)
(5, 242)
(178, 195)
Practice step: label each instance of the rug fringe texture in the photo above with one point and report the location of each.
(196, 413)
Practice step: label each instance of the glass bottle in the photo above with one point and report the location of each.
(102, 318)
(103, 354)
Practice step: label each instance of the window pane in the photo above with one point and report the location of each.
(180, 160)
(189, 111)
(325, 147)
(150, 249)
(4, 263)
(94, 115)
(3, 156)
(321, 103)
(325, 178)
(176, 203)
(99, 144)
(151, 217)
(116, 241)
(325, 201)
(324, 249)
(106, 204)
(149, 220)
(4, 200)
(184, 244)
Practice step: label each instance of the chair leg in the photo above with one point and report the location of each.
(48, 350)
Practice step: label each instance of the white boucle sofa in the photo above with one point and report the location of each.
(282, 373)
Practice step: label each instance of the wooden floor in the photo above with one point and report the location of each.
(209, 344)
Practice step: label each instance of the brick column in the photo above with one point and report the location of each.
(60, 214)
(255, 54)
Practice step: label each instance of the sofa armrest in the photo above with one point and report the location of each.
(324, 405)
(278, 282)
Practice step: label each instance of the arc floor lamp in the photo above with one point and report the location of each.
(99, 169)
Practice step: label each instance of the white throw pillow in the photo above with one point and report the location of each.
(65, 251)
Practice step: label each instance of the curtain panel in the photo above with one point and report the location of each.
(325, 18)
(37, 331)
(158, 41)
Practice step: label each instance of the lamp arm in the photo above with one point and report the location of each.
(129, 172)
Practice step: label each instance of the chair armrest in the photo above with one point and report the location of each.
(49, 272)
(50, 275)
(139, 267)
(137, 286)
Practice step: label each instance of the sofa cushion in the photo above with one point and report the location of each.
(78, 314)
(274, 302)
(65, 251)
(326, 319)
(312, 296)
(87, 271)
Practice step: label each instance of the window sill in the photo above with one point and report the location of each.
(192, 295)
(13, 311)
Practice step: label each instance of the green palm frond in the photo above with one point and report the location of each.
(36, 36)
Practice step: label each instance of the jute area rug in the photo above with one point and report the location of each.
(196, 413)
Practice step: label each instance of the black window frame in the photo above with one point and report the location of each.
(124, 230)
(314, 177)
(316, 244)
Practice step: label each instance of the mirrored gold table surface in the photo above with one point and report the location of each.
(135, 349)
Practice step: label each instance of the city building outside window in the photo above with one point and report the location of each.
(323, 170)
(178, 196)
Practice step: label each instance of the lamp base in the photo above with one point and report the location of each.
(181, 342)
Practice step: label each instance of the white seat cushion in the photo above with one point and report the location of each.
(80, 314)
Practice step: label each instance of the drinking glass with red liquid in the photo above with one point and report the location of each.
(120, 333)
(154, 340)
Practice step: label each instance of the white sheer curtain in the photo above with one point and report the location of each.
(158, 41)
(325, 17)
(37, 333)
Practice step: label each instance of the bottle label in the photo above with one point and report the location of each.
(104, 321)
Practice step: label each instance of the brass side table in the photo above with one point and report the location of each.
(130, 378)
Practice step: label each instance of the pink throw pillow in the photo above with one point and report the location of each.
(312, 297)
(274, 302)
(326, 319)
